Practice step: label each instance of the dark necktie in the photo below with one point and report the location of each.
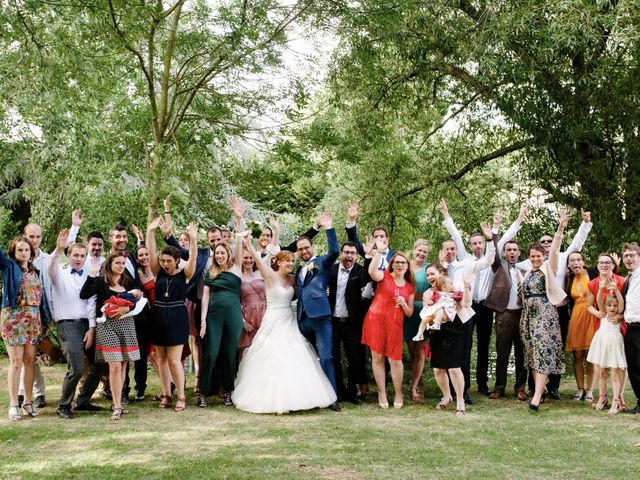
(79, 271)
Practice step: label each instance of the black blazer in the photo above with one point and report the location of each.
(99, 287)
(352, 294)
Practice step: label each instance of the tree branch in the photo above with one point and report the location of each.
(476, 162)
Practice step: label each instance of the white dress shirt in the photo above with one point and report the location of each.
(341, 310)
(66, 288)
(484, 278)
(516, 280)
(632, 303)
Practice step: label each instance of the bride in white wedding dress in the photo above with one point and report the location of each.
(280, 371)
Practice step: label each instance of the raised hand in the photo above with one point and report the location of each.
(444, 210)
(522, 213)
(154, 224)
(382, 243)
(325, 220)
(497, 220)
(564, 219)
(237, 207)
(136, 231)
(369, 246)
(63, 240)
(353, 211)
(166, 226)
(275, 225)
(77, 218)
(486, 230)
(192, 229)
(586, 216)
(616, 259)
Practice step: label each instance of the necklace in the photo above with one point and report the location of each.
(168, 287)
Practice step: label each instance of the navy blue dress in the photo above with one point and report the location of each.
(170, 319)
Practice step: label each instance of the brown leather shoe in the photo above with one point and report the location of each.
(521, 396)
(496, 394)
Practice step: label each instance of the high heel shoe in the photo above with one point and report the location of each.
(461, 409)
(29, 411)
(615, 407)
(602, 403)
(580, 394)
(165, 401)
(533, 408)
(383, 402)
(444, 403)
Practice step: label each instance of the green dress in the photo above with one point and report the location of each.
(412, 323)
(224, 326)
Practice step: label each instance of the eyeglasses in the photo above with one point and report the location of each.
(605, 262)
(574, 260)
(546, 241)
(399, 262)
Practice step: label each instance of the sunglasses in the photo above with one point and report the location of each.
(546, 241)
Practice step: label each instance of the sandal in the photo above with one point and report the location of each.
(588, 396)
(461, 410)
(615, 407)
(602, 403)
(165, 401)
(28, 410)
(181, 404)
(444, 403)
(14, 413)
(202, 401)
(117, 414)
(227, 400)
(580, 394)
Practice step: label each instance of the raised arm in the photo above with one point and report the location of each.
(138, 234)
(511, 232)
(151, 245)
(268, 274)
(238, 209)
(190, 267)
(554, 251)
(353, 212)
(326, 221)
(54, 263)
(76, 222)
(453, 231)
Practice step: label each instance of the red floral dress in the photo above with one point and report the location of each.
(21, 325)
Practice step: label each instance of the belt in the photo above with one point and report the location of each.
(535, 295)
(71, 320)
(515, 310)
(342, 319)
(633, 325)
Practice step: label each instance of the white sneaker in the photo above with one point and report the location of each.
(418, 338)
(435, 326)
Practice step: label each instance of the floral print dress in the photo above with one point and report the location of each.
(540, 328)
(21, 325)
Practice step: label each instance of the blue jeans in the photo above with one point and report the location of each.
(319, 333)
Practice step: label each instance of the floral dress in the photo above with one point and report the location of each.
(21, 325)
(540, 328)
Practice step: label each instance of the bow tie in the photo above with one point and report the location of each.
(79, 271)
(345, 270)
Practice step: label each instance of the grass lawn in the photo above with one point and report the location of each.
(496, 439)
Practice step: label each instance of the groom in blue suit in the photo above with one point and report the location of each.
(314, 311)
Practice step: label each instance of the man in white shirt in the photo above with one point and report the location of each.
(478, 262)
(482, 321)
(631, 293)
(75, 330)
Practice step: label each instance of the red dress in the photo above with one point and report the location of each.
(382, 328)
(594, 286)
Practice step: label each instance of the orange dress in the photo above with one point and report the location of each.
(582, 325)
(382, 328)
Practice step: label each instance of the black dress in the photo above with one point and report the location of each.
(170, 319)
(447, 345)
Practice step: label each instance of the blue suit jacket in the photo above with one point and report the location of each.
(312, 293)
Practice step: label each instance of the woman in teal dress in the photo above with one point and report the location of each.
(222, 320)
(416, 349)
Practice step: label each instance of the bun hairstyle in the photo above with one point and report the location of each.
(279, 257)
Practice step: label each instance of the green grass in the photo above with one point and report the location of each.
(496, 439)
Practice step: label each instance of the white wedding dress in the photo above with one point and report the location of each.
(280, 371)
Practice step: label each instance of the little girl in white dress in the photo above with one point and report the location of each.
(607, 346)
(439, 306)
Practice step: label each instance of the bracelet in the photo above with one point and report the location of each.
(167, 213)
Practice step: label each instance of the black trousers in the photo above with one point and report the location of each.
(632, 352)
(347, 334)
(482, 321)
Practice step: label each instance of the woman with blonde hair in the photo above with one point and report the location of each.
(221, 319)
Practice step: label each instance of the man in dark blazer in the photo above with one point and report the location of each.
(314, 311)
(348, 311)
(503, 299)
